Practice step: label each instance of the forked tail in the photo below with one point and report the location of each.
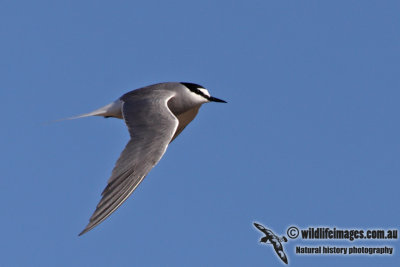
(111, 110)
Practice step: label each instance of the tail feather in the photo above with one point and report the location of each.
(111, 110)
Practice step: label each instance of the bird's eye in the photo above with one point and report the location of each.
(204, 91)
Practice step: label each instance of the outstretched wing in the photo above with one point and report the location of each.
(279, 250)
(151, 126)
(261, 228)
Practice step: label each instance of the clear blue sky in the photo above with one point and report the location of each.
(310, 135)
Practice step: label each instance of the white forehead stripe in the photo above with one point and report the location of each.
(204, 91)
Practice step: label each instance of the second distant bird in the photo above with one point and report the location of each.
(155, 115)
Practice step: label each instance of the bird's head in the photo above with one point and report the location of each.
(200, 93)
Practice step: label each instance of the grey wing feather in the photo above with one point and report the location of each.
(151, 125)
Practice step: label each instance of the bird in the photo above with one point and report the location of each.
(274, 240)
(154, 115)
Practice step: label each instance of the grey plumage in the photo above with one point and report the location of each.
(155, 115)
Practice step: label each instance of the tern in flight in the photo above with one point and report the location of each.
(155, 115)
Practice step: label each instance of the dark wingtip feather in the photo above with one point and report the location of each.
(84, 231)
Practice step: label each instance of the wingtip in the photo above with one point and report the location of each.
(87, 229)
(257, 225)
(83, 232)
(90, 226)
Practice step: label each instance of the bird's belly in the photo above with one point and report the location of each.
(184, 119)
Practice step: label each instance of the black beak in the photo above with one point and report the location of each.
(214, 99)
